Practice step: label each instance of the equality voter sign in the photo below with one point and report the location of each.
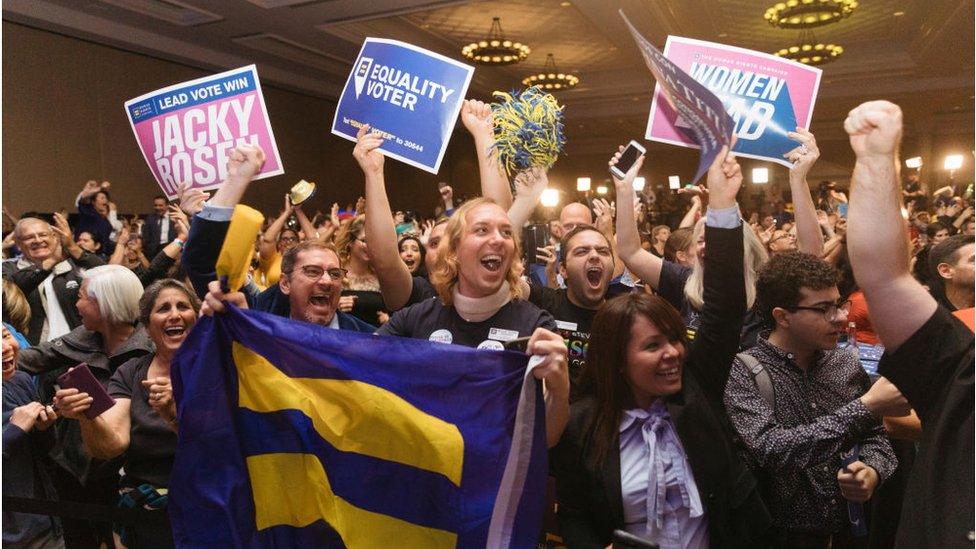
(703, 116)
(408, 94)
(186, 131)
(766, 96)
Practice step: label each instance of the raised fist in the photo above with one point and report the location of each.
(875, 129)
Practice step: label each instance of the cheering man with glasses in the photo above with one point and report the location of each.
(311, 277)
(820, 406)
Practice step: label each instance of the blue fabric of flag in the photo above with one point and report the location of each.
(249, 439)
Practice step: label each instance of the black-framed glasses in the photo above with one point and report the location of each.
(829, 312)
(288, 239)
(314, 272)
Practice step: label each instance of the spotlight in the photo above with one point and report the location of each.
(913, 162)
(550, 198)
(760, 175)
(582, 184)
(639, 183)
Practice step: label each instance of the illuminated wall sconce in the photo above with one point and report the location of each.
(760, 175)
(602, 190)
(913, 162)
(550, 198)
(639, 183)
(674, 182)
(582, 184)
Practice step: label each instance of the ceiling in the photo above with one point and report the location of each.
(918, 53)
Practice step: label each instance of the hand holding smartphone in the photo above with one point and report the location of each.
(81, 378)
(627, 159)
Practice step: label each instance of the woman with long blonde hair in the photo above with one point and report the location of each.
(361, 295)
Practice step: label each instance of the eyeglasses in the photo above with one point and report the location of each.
(829, 312)
(288, 239)
(314, 272)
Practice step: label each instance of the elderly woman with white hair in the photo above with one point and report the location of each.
(110, 335)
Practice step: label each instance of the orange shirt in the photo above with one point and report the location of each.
(862, 319)
(967, 317)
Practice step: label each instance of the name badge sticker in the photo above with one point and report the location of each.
(568, 326)
(500, 334)
(441, 336)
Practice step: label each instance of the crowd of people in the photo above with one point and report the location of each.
(702, 380)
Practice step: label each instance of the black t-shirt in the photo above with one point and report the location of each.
(572, 322)
(367, 305)
(152, 444)
(671, 285)
(420, 290)
(934, 370)
(431, 320)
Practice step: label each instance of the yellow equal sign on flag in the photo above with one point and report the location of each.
(353, 416)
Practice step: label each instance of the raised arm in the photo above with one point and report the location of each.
(269, 240)
(476, 117)
(808, 237)
(642, 263)
(395, 279)
(305, 223)
(877, 237)
(209, 228)
(528, 189)
(724, 295)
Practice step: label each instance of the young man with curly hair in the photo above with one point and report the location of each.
(795, 437)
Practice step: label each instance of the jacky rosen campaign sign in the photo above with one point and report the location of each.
(766, 96)
(186, 131)
(410, 95)
(705, 121)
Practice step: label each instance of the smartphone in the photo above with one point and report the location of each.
(674, 182)
(80, 377)
(534, 236)
(630, 155)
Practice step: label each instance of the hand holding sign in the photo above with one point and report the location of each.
(804, 156)
(367, 152)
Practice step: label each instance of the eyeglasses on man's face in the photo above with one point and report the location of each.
(314, 272)
(830, 312)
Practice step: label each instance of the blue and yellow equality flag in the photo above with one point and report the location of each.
(294, 435)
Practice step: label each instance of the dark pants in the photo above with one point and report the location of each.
(83, 534)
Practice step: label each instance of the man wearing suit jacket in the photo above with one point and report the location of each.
(158, 230)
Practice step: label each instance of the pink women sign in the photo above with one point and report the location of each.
(186, 131)
(766, 96)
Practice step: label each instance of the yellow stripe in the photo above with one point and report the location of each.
(354, 416)
(293, 489)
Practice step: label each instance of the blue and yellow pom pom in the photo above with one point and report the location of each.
(528, 129)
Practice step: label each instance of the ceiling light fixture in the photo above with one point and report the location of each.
(495, 49)
(810, 51)
(550, 78)
(807, 14)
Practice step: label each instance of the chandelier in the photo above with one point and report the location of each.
(810, 51)
(495, 49)
(807, 14)
(550, 78)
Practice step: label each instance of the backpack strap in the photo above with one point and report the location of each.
(760, 376)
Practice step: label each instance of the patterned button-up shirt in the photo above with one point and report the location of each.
(795, 446)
